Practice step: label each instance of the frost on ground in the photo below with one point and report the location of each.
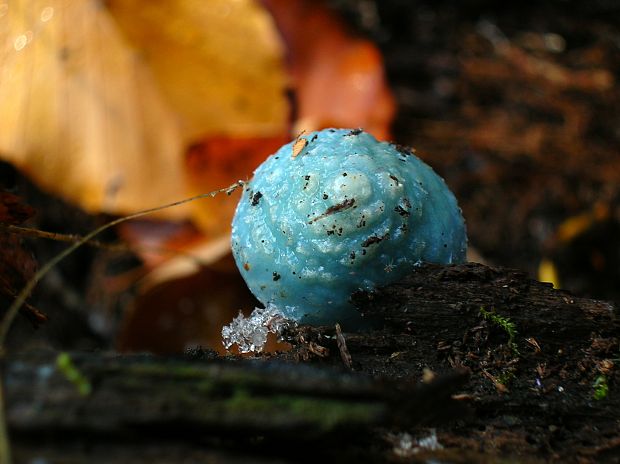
(250, 334)
(406, 446)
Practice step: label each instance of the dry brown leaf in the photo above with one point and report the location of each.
(217, 161)
(184, 312)
(12, 209)
(338, 77)
(172, 250)
(17, 264)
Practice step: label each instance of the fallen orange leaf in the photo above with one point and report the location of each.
(218, 161)
(338, 77)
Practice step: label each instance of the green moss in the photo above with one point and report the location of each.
(230, 396)
(65, 365)
(506, 377)
(168, 370)
(323, 413)
(505, 324)
(601, 388)
(193, 372)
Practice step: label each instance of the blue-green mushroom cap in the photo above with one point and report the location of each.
(335, 212)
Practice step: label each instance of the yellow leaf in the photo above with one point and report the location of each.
(104, 119)
(576, 225)
(80, 113)
(219, 63)
(547, 272)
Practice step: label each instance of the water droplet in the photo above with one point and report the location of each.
(554, 42)
(20, 42)
(47, 13)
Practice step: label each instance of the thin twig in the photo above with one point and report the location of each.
(342, 347)
(37, 233)
(21, 297)
(5, 449)
(117, 247)
(498, 385)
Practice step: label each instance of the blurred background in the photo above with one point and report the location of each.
(110, 107)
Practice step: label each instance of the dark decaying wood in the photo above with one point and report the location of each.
(532, 395)
(511, 367)
(212, 402)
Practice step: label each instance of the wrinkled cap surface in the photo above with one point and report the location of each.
(337, 211)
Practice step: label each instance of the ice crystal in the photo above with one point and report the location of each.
(430, 442)
(406, 446)
(250, 334)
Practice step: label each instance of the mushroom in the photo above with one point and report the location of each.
(337, 213)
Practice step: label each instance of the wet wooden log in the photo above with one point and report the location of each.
(450, 312)
(542, 384)
(209, 403)
(543, 362)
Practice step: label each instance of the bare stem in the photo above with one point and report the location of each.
(37, 233)
(115, 247)
(5, 449)
(21, 297)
